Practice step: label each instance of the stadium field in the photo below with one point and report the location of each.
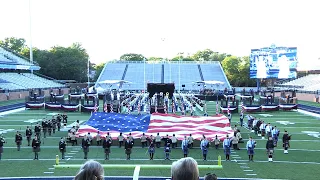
(302, 161)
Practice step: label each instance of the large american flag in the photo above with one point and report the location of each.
(181, 126)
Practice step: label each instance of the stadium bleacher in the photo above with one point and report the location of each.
(14, 81)
(9, 57)
(310, 82)
(158, 72)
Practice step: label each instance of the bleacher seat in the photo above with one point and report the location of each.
(310, 82)
(26, 81)
(189, 73)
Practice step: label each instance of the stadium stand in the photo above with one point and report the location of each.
(310, 82)
(10, 61)
(162, 72)
(25, 81)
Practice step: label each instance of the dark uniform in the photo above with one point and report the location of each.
(44, 128)
(128, 148)
(37, 130)
(2, 141)
(18, 140)
(151, 149)
(62, 147)
(106, 146)
(85, 146)
(36, 147)
(54, 125)
(64, 119)
(270, 148)
(285, 142)
(59, 122)
(28, 135)
(49, 127)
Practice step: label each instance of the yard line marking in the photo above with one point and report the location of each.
(251, 174)
(74, 151)
(234, 155)
(242, 163)
(51, 168)
(116, 147)
(68, 156)
(248, 170)
(244, 167)
(136, 173)
(48, 172)
(237, 157)
(12, 111)
(200, 160)
(71, 153)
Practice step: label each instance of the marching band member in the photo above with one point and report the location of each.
(270, 148)
(251, 144)
(285, 141)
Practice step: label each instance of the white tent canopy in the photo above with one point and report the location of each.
(113, 82)
(210, 82)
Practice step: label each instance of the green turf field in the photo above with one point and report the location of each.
(303, 160)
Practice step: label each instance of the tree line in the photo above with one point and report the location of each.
(70, 63)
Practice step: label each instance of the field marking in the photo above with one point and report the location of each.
(302, 140)
(199, 160)
(68, 156)
(116, 147)
(242, 163)
(136, 173)
(244, 167)
(12, 111)
(251, 174)
(248, 170)
(234, 155)
(74, 151)
(308, 113)
(71, 153)
(48, 172)
(51, 168)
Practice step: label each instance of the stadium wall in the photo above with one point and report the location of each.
(22, 94)
(302, 96)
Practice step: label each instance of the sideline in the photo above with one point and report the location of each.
(12, 111)
(171, 160)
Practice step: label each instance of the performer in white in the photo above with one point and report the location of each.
(261, 68)
(284, 68)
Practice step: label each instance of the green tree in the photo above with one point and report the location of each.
(132, 57)
(244, 72)
(231, 66)
(216, 56)
(181, 57)
(98, 68)
(203, 55)
(155, 59)
(14, 44)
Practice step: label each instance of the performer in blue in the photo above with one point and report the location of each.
(275, 135)
(241, 119)
(204, 147)
(184, 146)
(226, 147)
(251, 144)
(167, 151)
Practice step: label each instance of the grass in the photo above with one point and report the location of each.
(9, 102)
(287, 166)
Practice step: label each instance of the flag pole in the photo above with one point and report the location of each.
(30, 48)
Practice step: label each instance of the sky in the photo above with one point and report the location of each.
(108, 29)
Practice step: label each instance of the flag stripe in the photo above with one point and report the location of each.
(164, 124)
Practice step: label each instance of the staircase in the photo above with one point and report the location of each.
(125, 72)
(162, 73)
(200, 72)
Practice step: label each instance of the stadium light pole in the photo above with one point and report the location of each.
(144, 74)
(30, 48)
(88, 72)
